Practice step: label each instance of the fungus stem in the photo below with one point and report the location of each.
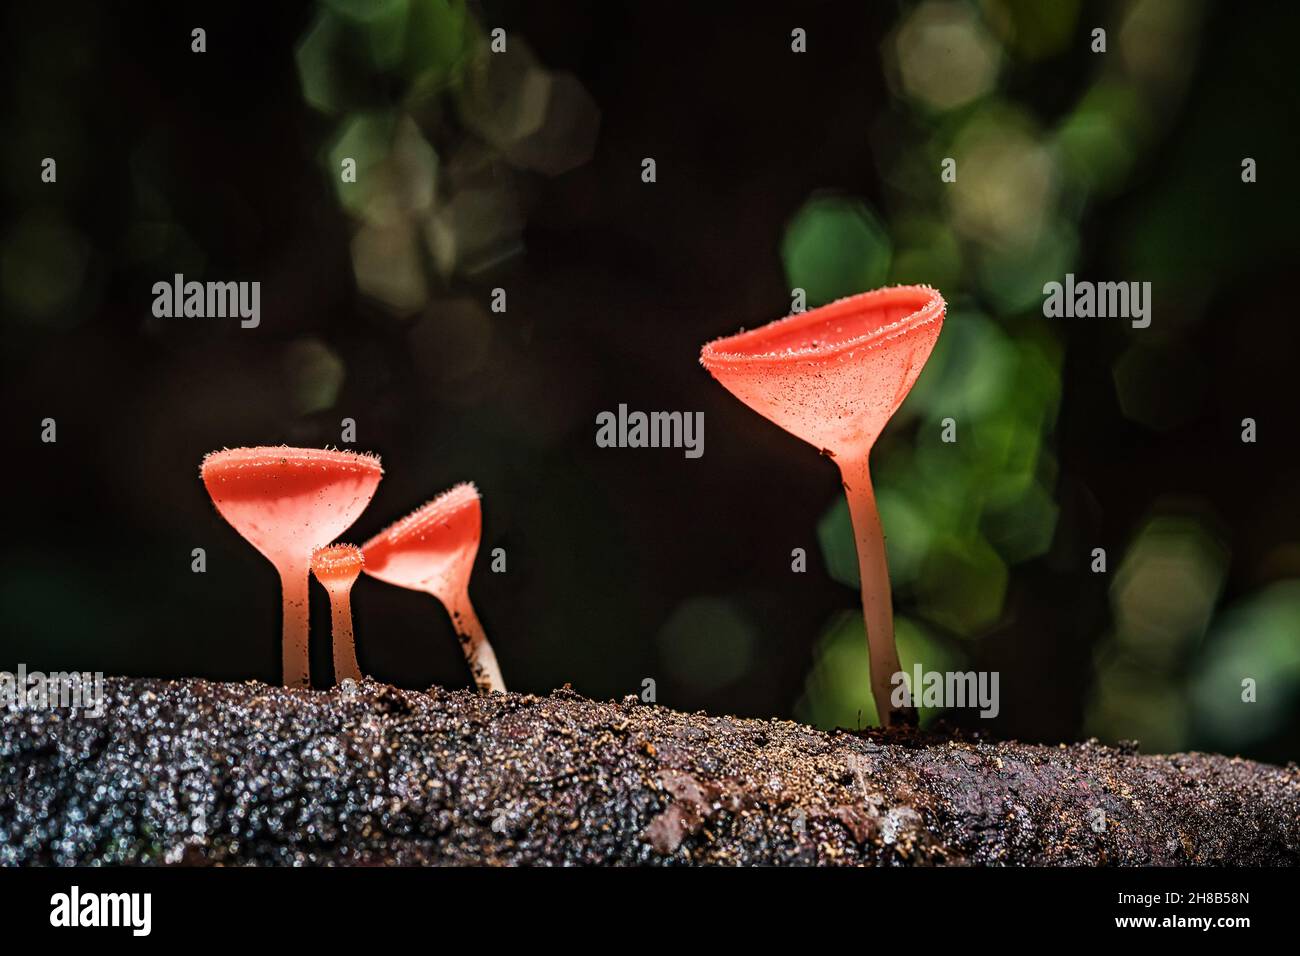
(474, 643)
(877, 603)
(345, 648)
(293, 584)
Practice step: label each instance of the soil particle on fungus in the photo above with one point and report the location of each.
(191, 772)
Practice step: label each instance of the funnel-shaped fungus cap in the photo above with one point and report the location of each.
(287, 502)
(433, 548)
(338, 566)
(833, 376)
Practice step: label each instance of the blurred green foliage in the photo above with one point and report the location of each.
(836, 695)
(959, 515)
(833, 248)
(1257, 639)
(355, 50)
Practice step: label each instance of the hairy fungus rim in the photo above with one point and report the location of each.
(270, 457)
(724, 351)
(338, 561)
(431, 512)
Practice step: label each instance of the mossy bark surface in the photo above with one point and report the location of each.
(192, 772)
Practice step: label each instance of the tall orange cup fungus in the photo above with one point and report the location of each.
(287, 502)
(432, 550)
(834, 376)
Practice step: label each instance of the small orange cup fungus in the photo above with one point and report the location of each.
(432, 550)
(337, 569)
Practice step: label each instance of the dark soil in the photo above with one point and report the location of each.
(190, 772)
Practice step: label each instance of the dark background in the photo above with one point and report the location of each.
(633, 564)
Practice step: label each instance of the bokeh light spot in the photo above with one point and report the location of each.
(835, 247)
(42, 265)
(945, 55)
(315, 373)
(707, 644)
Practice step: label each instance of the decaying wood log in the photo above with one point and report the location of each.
(187, 772)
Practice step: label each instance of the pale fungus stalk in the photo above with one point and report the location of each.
(877, 600)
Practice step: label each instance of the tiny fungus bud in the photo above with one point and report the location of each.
(432, 550)
(337, 568)
(287, 502)
(834, 376)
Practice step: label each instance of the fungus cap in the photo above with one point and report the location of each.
(287, 502)
(433, 548)
(338, 565)
(834, 375)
